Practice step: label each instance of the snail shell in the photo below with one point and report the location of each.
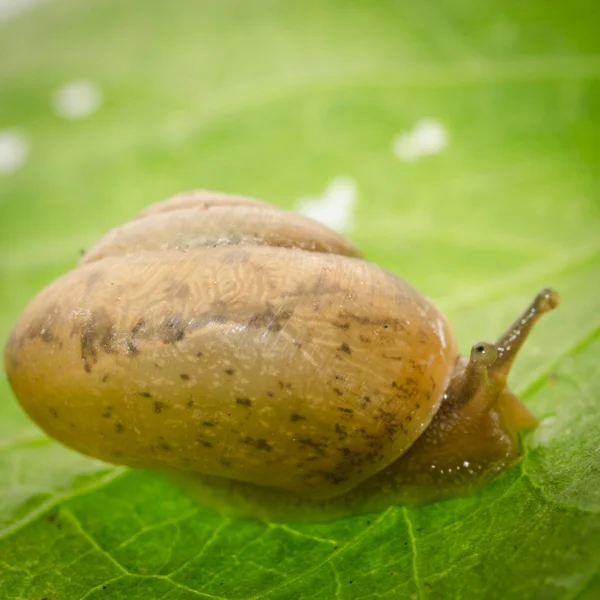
(221, 336)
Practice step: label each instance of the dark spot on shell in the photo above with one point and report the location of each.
(198, 354)
(53, 412)
(119, 427)
(158, 406)
(163, 445)
(342, 325)
(145, 394)
(225, 462)
(205, 443)
(270, 320)
(296, 417)
(105, 379)
(408, 418)
(283, 385)
(366, 400)
(341, 431)
(96, 332)
(391, 357)
(107, 414)
(184, 376)
(338, 391)
(270, 394)
(340, 377)
(132, 348)
(346, 410)
(418, 405)
(260, 444)
(209, 423)
(173, 330)
(345, 348)
(364, 339)
(138, 326)
(229, 371)
(191, 402)
(244, 401)
(312, 444)
(389, 422)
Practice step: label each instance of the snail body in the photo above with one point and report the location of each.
(223, 338)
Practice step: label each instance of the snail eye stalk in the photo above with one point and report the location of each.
(511, 341)
(466, 385)
(489, 364)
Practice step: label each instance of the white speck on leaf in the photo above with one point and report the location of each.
(77, 99)
(335, 207)
(427, 137)
(14, 150)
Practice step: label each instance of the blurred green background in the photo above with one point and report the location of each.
(278, 100)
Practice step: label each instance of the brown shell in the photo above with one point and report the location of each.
(281, 363)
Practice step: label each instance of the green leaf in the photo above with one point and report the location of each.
(276, 99)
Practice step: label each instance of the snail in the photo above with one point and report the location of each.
(255, 350)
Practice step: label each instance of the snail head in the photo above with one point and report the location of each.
(475, 433)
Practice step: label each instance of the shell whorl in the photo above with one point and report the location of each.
(207, 219)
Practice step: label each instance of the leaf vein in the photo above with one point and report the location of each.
(413, 547)
(79, 527)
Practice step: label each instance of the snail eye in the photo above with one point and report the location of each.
(484, 353)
